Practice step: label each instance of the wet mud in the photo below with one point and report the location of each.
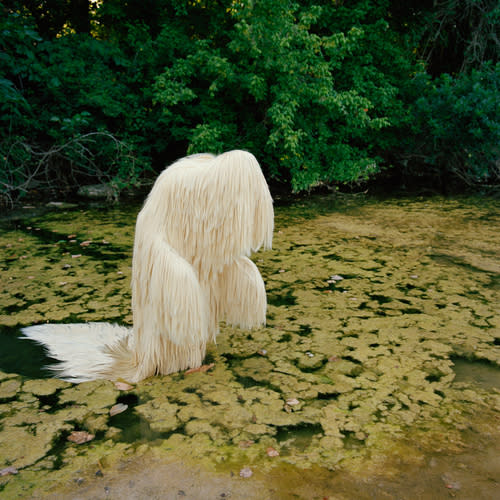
(377, 375)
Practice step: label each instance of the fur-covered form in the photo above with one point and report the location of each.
(203, 218)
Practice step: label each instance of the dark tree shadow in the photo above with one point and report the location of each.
(22, 356)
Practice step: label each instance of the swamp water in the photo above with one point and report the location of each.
(377, 375)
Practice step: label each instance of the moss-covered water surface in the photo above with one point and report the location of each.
(380, 361)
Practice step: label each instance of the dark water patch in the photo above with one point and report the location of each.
(310, 364)
(481, 373)
(302, 248)
(57, 449)
(328, 396)
(355, 372)
(351, 334)
(13, 308)
(50, 402)
(234, 357)
(435, 376)
(453, 260)
(96, 249)
(381, 299)
(248, 382)
(334, 256)
(134, 427)
(333, 287)
(23, 356)
(412, 310)
(283, 299)
(209, 358)
(297, 437)
(304, 330)
(351, 442)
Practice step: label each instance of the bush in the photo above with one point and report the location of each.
(65, 112)
(456, 128)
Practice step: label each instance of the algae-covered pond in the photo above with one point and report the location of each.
(377, 375)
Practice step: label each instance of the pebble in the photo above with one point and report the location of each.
(246, 472)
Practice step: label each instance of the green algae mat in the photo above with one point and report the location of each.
(381, 352)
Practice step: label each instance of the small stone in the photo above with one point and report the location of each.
(246, 472)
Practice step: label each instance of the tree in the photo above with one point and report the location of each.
(310, 87)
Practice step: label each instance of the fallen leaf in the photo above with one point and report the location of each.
(201, 369)
(331, 359)
(70, 236)
(246, 472)
(123, 386)
(8, 470)
(116, 409)
(292, 402)
(75, 256)
(262, 352)
(85, 243)
(271, 452)
(80, 437)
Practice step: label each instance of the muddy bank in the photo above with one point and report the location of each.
(378, 370)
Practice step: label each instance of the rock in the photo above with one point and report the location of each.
(97, 192)
(60, 204)
(246, 472)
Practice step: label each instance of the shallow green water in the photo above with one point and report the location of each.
(383, 332)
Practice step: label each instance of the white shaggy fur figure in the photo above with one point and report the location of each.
(204, 216)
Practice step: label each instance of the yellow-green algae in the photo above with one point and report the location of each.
(370, 304)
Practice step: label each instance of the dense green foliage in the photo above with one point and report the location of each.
(456, 127)
(321, 91)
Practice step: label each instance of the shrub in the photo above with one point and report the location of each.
(456, 128)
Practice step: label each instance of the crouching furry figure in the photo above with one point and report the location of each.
(203, 218)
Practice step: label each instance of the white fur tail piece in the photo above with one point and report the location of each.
(83, 349)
